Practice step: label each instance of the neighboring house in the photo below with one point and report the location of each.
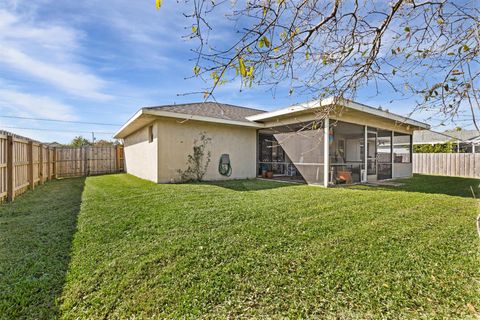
(363, 143)
(466, 141)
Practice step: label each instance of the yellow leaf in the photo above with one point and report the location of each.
(158, 3)
(196, 70)
(250, 71)
(275, 49)
(307, 55)
(266, 41)
(194, 29)
(241, 64)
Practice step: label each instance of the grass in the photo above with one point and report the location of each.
(242, 249)
(36, 232)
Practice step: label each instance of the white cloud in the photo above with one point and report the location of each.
(46, 54)
(31, 105)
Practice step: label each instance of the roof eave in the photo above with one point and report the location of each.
(342, 102)
(123, 132)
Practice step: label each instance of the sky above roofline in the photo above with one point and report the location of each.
(100, 61)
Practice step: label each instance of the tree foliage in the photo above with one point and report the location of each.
(80, 141)
(426, 50)
(448, 147)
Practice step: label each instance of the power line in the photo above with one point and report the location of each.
(73, 131)
(65, 121)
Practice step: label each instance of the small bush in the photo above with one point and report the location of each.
(197, 163)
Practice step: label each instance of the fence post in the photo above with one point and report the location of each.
(30, 165)
(54, 163)
(117, 159)
(40, 166)
(47, 176)
(10, 170)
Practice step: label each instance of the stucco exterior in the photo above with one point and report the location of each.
(233, 131)
(176, 139)
(141, 156)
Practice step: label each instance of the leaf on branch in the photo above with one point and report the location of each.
(241, 65)
(264, 42)
(324, 60)
(466, 47)
(307, 55)
(158, 4)
(196, 70)
(194, 29)
(407, 29)
(250, 72)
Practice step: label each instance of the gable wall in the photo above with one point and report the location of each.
(141, 156)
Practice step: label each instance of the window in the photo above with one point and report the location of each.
(150, 134)
(402, 148)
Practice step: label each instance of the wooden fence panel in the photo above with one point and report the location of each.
(87, 161)
(25, 163)
(447, 164)
(20, 165)
(3, 166)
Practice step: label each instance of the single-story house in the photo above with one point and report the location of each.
(327, 142)
(465, 141)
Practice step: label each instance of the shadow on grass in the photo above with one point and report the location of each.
(250, 184)
(36, 233)
(451, 186)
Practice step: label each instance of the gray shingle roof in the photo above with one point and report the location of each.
(211, 109)
(426, 136)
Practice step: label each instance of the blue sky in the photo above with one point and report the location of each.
(100, 61)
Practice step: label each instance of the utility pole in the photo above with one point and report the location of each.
(93, 138)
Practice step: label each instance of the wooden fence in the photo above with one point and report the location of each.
(447, 164)
(25, 163)
(87, 161)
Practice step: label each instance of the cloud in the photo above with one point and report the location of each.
(46, 53)
(31, 105)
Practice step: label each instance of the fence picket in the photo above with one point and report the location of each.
(24, 163)
(447, 164)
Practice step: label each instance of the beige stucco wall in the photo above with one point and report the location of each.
(141, 156)
(176, 138)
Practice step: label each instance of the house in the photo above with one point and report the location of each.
(327, 142)
(466, 141)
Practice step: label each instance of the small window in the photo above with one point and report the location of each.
(150, 134)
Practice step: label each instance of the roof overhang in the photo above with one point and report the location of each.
(145, 116)
(332, 101)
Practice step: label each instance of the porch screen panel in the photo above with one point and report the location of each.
(384, 156)
(305, 148)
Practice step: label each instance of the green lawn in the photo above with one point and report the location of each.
(240, 248)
